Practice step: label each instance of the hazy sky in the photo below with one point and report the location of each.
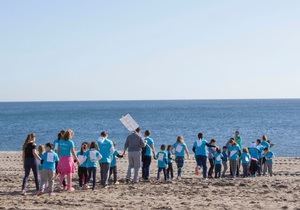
(113, 50)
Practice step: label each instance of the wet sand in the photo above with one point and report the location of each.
(282, 191)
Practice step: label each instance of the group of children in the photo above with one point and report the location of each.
(255, 160)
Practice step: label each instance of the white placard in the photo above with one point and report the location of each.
(161, 157)
(93, 156)
(247, 159)
(81, 159)
(50, 157)
(129, 123)
(179, 148)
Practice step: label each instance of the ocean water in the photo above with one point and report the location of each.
(279, 119)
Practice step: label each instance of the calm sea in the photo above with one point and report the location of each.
(279, 119)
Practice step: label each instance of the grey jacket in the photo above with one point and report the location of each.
(134, 143)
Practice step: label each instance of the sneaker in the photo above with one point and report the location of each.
(51, 194)
(71, 189)
(116, 183)
(23, 193)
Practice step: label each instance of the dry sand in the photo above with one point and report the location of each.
(282, 191)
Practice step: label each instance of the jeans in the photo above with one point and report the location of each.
(47, 177)
(134, 162)
(180, 162)
(225, 167)
(83, 176)
(92, 172)
(218, 168)
(159, 171)
(30, 164)
(146, 167)
(104, 172)
(245, 169)
(233, 167)
(211, 167)
(201, 161)
(170, 173)
(113, 171)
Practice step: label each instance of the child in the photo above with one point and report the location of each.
(49, 160)
(82, 169)
(224, 160)
(234, 151)
(218, 163)
(180, 150)
(268, 155)
(211, 154)
(254, 162)
(245, 161)
(92, 158)
(170, 173)
(162, 161)
(41, 150)
(113, 165)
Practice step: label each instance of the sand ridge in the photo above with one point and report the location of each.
(282, 191)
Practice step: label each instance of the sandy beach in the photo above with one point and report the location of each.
(282, 191)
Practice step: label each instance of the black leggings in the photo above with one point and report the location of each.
(83, 176)
(92, 172)
(30, 164)
(113, 171)
(211, 167)
(170, 173)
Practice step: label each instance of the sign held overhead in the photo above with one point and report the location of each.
(129, 122)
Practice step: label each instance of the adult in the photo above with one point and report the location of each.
(149, 150)
(239, 142)
(106, 149)
(200, 150)
(134, 143)
(66, 166)
(30, 157)
(234, 151)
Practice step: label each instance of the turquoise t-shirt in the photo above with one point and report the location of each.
(218, 158)
(254, 152)
(234, 152)
(265, 144)
(179, 149)
(65, 147)
(269, 157)
(92, 158)
(114, 159)
(150, 142)
(200, 147)
(82, 157)
(162, 159)
(49, 159)
(106, 149)
(245, 158)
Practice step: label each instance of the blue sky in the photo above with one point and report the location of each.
(118, 50)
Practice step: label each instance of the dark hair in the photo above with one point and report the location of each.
(218, 149)
(83, 143)
(180, 139)
(266, 149)
(103, 134)
(93, 145)
(138, 130)
(163, 147)
(27, 140)
(61, 134)
(224, 147)
(258, 141)
(147, 133)
(212, 141)
(169, 147)
(200, 135)
(49, 145)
